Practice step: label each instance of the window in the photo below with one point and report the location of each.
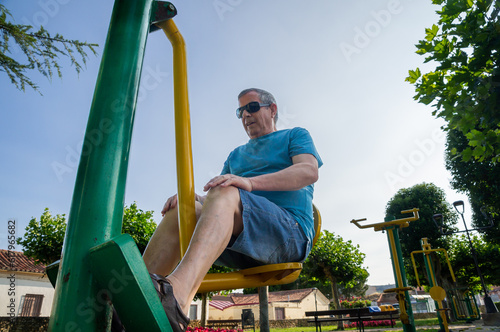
(193, 311)
(279, 313)
(32, 305)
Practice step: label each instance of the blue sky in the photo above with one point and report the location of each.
(335, 67)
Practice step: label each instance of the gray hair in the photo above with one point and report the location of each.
(264, 96)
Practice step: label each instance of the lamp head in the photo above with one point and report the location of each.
(459, 206)
(438, 221)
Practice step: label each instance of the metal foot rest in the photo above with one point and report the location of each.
(273, 274)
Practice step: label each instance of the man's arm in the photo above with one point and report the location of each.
(303, 172)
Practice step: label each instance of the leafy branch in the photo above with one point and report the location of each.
(42, 52)
(465, 85)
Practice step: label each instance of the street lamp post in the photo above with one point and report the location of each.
(315, 300)
(459, 207)
(488, 302)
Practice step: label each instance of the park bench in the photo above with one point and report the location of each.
(357, 315)
(229, 323)
(339, 315)
(249, 322)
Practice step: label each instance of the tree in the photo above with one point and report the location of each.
(480, 181)
(42, 51)
(357, 288)
(43, 240)
(465, 85)
(488, 258)
(139, 224)
(337, 261)
(430, 200)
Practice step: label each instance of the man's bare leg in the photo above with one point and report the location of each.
(163, 251)
(220, 218)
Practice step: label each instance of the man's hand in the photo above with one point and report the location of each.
(229, 180)
(172, 203)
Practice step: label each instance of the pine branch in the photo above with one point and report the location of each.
(41, 50)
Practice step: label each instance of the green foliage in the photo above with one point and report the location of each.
(355, 303)
(337, 261)
(41, 50)
(465, 84)
(43, 239)
(139, 224)
(488, 258)
(480, 180)
(430, 200)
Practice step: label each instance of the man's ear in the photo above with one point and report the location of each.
(274, 109)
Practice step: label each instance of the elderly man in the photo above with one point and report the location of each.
(258, 211)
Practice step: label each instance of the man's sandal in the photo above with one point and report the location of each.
(178, 321)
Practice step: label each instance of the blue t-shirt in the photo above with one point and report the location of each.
(271, 153)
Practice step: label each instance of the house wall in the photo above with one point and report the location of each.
(14, 286)
(293, 310)
(198, 307)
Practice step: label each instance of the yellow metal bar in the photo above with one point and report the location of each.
(267, 275)
(415, 267)
(431, 250)
(384, 225)
(184, 156)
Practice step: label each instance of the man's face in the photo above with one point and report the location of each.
(259, 123)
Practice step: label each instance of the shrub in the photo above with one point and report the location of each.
(355, 303)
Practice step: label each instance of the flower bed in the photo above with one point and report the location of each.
(207, 329)
(372, 323)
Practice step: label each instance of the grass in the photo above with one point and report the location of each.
(333, 327)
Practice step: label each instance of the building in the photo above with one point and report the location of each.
(291, 304)
(25, 288)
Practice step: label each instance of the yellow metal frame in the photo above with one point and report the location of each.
(255, 277)
(427, 250)
(388, 225)
(404, 222)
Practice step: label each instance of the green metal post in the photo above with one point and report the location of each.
(97, 206)
(400, 275)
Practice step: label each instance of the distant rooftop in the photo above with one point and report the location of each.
(17, 261)
(223, 302)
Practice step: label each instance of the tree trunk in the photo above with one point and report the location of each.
(336, 301)
(264, 308)
(203, 318)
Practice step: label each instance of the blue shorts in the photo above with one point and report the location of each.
(270, 235)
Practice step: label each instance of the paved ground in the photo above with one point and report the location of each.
(476, 326)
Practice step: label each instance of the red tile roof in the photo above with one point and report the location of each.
(223, 302)
(17, 261)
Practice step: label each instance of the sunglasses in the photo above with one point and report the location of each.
(251, 107)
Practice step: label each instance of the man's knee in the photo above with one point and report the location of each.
(228, 195)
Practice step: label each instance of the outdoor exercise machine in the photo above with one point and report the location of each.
(460, 208)
(437, 293)
(463, 303)
(392, 226)
(99, 265)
